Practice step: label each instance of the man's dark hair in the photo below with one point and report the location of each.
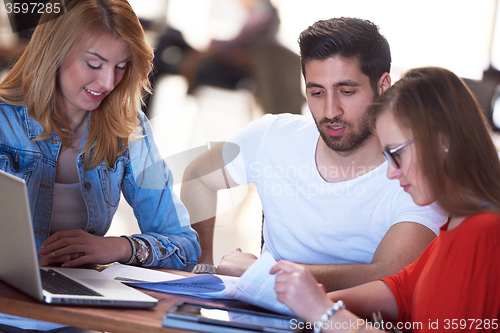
(347, 37)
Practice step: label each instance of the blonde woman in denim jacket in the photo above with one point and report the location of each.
(69, 126)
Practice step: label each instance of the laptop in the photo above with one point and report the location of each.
(19, 261)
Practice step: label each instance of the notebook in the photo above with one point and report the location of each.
(19, 261)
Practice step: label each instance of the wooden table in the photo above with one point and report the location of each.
(120, 320)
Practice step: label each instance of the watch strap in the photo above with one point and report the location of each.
(204, 269)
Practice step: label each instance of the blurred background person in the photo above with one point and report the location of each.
(253, 60)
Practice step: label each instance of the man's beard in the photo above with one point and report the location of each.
(347, 143)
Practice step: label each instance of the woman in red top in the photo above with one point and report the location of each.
(439, 147)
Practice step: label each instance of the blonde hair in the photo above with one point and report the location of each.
(434, 103)
(33, 79)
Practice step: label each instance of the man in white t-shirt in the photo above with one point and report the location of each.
(327, 202)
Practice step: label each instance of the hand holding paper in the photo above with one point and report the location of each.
(297, 288)
(256, 286)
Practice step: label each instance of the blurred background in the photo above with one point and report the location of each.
(220, 64)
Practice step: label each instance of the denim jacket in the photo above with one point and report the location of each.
(139, 173)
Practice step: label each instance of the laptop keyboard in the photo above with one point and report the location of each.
(57, 283)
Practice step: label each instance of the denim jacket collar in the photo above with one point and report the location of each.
(34, 129)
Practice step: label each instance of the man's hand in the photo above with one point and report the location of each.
(73, 248)
(235, 263)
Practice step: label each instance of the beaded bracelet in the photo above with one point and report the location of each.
(134, 250)
(326, 316)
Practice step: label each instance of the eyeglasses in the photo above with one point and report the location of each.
(392, 156)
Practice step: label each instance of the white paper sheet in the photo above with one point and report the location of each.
(256, 286)
(126, 273)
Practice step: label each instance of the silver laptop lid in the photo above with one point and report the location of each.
(18, 259)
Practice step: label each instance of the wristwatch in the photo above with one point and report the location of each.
(142, 252)
(204, 269)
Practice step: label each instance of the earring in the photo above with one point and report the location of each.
(446, 150)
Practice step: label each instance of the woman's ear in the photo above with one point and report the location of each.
(444, 142)
(384, 83)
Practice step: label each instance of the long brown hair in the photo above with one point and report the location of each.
(434, 104)
(33, 79)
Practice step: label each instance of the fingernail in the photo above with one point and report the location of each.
(65, 264)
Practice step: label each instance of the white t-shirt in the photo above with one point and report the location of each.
(307, 219)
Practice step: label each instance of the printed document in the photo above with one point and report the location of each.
(255, 286)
